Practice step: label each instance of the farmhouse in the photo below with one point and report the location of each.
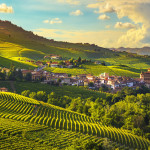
(55, 57)
(69, 65)
(60, 75)
(3, 89)
(54, 65)
(25, 72)
(145, 76)
(39, 63)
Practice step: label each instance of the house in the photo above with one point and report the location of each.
(36, 76)
(48, 63)
(60, 75)
(145, 77)
(97, 63)
(39, 63)
(66, 80)
(86, 82)
(97, 82)
(56, 57)
(90, 77)
(54, 65)
(25, 72)
(104, 75)
(69, 65)
(82, 76)
(3, 89)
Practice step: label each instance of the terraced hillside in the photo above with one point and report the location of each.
(16, 107)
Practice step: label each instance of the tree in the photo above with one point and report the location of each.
(81, 144)
(33, 95)
(2, 76)
(28, 77)
(91, 84)
(41, 95)
(26, 93)
(52, 99)
(79, 60)
(19, 75)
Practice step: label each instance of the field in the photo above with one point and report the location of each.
(98, 69)
(67, 125)
(22, 135)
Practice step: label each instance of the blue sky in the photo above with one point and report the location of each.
(106, 23)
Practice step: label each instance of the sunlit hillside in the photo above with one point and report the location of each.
(53, 118)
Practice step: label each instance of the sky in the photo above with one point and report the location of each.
(107, 23)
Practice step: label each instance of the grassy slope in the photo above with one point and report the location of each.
(17, 43)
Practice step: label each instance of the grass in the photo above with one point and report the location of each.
(6, 62)
(98, 69)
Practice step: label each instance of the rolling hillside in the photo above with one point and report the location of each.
(50, 117)
(18, 45)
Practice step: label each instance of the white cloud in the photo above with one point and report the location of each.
(76, 13)
(5, 9)
(137, 11)
(104, 17)
(126, 25)
(106, 8)
(96, 5)
(53, 21)
(71, 2)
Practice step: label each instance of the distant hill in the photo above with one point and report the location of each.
(16, 42)
(140, 51)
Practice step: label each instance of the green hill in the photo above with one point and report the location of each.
(18, 45)
(43, 115)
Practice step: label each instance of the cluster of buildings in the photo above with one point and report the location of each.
(115, 83)
(66, 64)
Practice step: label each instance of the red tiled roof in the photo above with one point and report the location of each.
(54, 63)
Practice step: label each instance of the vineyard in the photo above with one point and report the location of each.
(38, 115)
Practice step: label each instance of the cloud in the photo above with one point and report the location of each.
(104, 17)
(71, 2)
(76, 13)
(106, 8)
(133, 38)
(53, 21)
(96, 5)
(137, 11)
(126, 25)
(5, 9)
